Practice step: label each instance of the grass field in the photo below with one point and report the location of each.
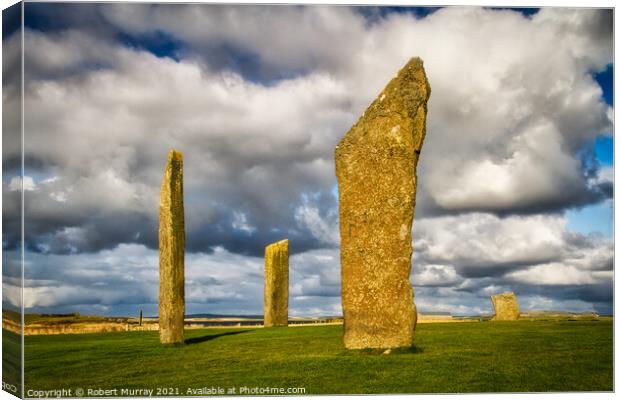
(451, 357)
(11, 361)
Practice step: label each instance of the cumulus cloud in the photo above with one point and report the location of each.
(322, 224)
(218, 35)
(237, 149)
(535, 256)
(474, 262)
(125, 280)
(524, 249)
(258, 110)
(486, 245)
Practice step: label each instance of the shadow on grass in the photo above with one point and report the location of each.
(408, 350)
(206, 338)
(381, 352)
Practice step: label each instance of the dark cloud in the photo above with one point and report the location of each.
(375, 14)
(493, 268)
(11, 20)
(600, 293)
(56, 17)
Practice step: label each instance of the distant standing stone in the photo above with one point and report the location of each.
(276, 284)
(506, 307)
(376, 169)
(172, 252)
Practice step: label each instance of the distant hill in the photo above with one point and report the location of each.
(434, 313)
(251, 316)
(555, 313)
(224, 316)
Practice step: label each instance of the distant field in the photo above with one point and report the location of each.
(451, 357)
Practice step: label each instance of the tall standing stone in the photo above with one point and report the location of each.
(506, 307)
(276, 284)
(376, 169)
(172, 252)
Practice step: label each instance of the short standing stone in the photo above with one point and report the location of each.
(276, 284)
(172, 252)
(376, 169)
(506, 307)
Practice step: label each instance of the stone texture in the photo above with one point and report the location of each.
(376, 169)
(276, 284)
(506, 307)
(172, 252)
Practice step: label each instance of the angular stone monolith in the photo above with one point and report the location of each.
(506, 307)
(172, 252)
(276, 284)
(376, 169)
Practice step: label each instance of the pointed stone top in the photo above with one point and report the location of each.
(406, 91)
(175, 155)
(405, 95)
(414, 62)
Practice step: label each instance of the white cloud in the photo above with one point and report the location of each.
(554, 274)
(240, 221)
(605, 175)
(486, 244)
(126, 278)
(238, 154)
(549, 304)
(524, 248)
(16, 183)
(435, 275)
(325, 229)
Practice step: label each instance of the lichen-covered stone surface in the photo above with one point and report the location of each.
(506, 307)
(276, 284)
(376, 169)
(172, 252)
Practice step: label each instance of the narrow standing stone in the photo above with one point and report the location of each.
(172, 252)
(376, 169)
(506, 307)
(276, 284)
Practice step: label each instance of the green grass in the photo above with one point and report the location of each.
(453, 357)
(11, 360)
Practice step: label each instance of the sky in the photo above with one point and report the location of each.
(515, 179)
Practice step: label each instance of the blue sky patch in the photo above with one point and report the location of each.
(597, 218)
(604, 150)
(606, 80)
(526, 11)
(374, 14)
(335, 191)
(158, 43)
